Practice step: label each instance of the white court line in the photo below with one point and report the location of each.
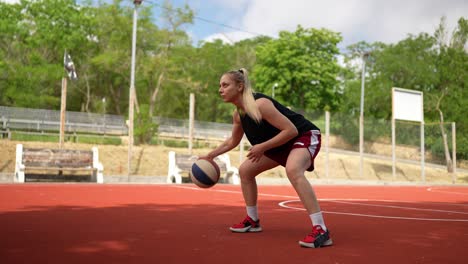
(321, 199)
(339, 200)
(430, 189)
(283, 204)
(401, 207)
(389, 201)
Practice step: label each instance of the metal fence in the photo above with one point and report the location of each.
(344, 130)
(41, 120)
(202, 130)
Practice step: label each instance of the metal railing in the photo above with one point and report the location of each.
(41, 120)
(202, 130)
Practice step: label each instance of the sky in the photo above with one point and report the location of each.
(387, 21)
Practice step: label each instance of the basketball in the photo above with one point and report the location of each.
(205, 173)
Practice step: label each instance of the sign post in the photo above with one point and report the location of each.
(407, 105)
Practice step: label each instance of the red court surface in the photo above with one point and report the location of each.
(89, 223)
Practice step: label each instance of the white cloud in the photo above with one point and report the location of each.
(368, 20)
(229, 38)
(219, 36)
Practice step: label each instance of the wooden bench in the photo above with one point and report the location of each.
(58, 160)
(182, 164)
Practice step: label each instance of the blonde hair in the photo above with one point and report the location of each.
(250, 107)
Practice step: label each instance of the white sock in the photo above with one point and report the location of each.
(317, 219)
(252, 212)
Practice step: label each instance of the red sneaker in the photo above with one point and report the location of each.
(248, 225)
(317, 238)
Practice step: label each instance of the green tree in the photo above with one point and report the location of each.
(423, 62)
(304, 64)
(451, 68)
(351, 75)
(208, 63)
(145, 128)
(164, 67)
(11, 37)
(110, 63)
(36, 34)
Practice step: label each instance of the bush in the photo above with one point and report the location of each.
(145, 128)
(348, 129)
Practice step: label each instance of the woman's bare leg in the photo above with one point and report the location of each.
(248, 171)
(297, 164)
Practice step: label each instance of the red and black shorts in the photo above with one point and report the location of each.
(310, 140)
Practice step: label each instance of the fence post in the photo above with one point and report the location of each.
(393, 150)
(423, 154)
(104, 123)
(454, 152)
(63, 107)
(191, 121)
(327, 144)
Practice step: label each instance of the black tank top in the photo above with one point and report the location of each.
(259, 133)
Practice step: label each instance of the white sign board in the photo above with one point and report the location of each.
(407, 105)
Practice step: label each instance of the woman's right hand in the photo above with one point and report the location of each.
(207, 157)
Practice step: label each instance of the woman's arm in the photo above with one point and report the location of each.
(287, 129)
(231, 142)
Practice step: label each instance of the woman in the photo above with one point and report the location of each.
(278, 136)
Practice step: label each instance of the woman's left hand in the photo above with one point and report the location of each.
(255, 153)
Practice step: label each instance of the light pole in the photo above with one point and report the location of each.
(361, 115)
(104, 111)
(273, 90)
(131, 104)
